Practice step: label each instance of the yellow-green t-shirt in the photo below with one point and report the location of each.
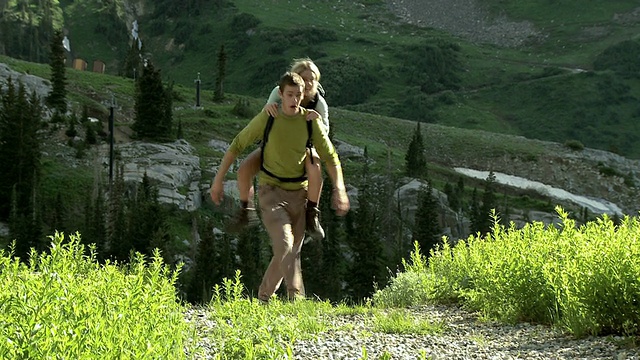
(285, 151)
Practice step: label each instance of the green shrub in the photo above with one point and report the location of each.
(243, 22)
(243, 108)
(67, 305)
(574, 145)
(622, 58)
(349, 80)
(582, 279)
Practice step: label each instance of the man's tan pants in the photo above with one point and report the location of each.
(283, 215)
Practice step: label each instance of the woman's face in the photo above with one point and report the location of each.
(310, 83)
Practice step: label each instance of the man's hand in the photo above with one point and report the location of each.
(271, 109)
(340, 201)
(217, 192)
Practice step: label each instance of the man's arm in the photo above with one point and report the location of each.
(217, 187)
(249, 134)
(339, 196)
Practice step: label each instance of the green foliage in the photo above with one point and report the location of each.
(132, 64)
(153, 106)
(243, 108)
(280, 40)
(415, 158)
(409, 287)
(218, 93)
(622, 58)
(65, 303)
(432, 67)
(574, 145)
(351, 80)
(243, 22)
(57, 97)
(20, 142)
(579, 278)
(399, 322)
(251, 257)
(365, 241)
(244, 329)
(426, 230)
(483, 211)
(26, 31)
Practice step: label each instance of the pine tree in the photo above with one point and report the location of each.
(218, 92)
(148, 221)
(251, 260)
(204, 274)
(367, 267)
(475, 212)
(20, 160)
(481, 211)
(426, 230)
(95, 222)
(415, 160)
(132, 65)
(489, 203)
(153, 106)
(57, 97)
(119, 244)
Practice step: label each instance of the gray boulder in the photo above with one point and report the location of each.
(453, 225)
(32, 83)
(173, 167)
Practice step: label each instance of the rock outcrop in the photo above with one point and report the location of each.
(173, 168)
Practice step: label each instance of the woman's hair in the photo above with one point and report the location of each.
(300, 65)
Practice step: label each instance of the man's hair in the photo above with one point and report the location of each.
(300, 65)
(290, 78)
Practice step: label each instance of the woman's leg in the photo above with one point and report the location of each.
(247, 213)
(246, 172)
(314, 173)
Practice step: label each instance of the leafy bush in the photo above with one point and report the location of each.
(67, 305)
(574, 145)
(406, 288)
(432, 67)
(349, 80)
(622, 58)
(583, 279)
(243, 22)
(608, 171)
(243, 108)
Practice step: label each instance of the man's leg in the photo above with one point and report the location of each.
(246, 172)
(314, 173)
(283, 217)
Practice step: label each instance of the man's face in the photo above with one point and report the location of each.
(291, 98)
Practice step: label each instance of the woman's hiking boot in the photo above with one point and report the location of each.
(242, 218)
(314, 229)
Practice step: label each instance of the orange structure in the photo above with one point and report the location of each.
(99, 66)
(79, 64)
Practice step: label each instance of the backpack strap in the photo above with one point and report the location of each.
(309, 143)
(265, 138)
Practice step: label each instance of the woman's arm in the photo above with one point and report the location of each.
(323, 109)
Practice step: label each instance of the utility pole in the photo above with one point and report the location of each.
(197, 81)
(111, 139)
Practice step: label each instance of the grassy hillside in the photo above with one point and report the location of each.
(372, 61)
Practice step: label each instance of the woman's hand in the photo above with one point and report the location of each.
(312, 115)
(271, 109)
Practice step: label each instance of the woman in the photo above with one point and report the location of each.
(250, 166)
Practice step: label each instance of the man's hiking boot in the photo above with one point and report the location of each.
(314, 230)
(243, 218)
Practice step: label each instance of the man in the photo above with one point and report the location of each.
(282, 191)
